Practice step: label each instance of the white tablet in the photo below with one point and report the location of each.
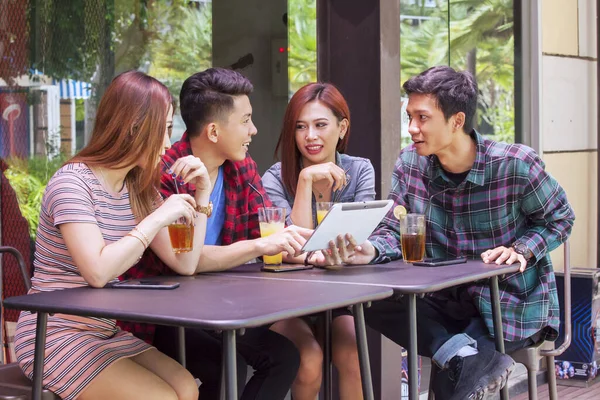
(358, 219)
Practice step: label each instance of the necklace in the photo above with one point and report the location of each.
(106, 182)
(103, 177)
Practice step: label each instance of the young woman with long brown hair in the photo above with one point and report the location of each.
(100, 212)
(314, 168)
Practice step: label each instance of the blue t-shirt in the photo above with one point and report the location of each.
(214, 224)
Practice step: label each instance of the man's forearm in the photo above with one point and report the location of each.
(220, 258)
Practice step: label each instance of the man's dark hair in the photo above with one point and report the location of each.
(454, 91)
(207, 95)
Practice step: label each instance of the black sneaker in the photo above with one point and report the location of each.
(472, 377)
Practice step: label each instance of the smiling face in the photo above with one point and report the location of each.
(236, 131)
(317, 133)
(428, 128)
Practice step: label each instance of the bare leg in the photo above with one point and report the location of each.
(345, 357)
(171, 372)
(308, 381)
(128, 379)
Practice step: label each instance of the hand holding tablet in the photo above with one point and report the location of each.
(357, 219)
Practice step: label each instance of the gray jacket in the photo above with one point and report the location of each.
(360, 177)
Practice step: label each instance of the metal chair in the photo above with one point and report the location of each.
(530, 356)
(14, 385)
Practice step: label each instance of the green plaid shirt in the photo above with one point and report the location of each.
(506, 196)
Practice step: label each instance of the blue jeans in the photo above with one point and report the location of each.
(443, 326)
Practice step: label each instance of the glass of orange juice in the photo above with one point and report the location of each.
(322, 209)
(271, 220)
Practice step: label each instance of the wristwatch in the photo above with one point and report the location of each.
(205, 209)
(522, 249)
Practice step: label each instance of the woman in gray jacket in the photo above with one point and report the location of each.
(313, 169)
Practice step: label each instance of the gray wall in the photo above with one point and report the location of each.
(248, 26)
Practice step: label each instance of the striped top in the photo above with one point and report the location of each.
(506, 196)
(77, 348)
(74, 194)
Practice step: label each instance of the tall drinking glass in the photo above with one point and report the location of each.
(322, 209)
(412, 237)
(271, 220)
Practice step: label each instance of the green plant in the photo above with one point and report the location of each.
(302, 37)
(28, 178)
(182, 43)
(478, 38)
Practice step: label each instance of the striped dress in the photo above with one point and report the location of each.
(77, 348)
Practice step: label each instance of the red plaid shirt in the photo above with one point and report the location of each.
(243, 190)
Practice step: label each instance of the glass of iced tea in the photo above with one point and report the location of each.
(412, 237)
(271, 220)
(322, 209)
(182, 236)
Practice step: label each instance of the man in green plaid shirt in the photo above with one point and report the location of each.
(481, 199)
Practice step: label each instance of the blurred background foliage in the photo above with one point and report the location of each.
(302, 37)
(167, 39)
(29, 177)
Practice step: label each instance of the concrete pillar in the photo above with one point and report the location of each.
(359, 51)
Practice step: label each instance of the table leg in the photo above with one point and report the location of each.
(327, 373)
(497, 319)
(229, 366)
(413, 360)
(38, 359)
(181, 346)
(363, 351)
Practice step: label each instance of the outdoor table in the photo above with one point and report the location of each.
(403, 278)
(216, 302)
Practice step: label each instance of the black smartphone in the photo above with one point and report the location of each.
(439, 262)
(285, 267)
(144, 284)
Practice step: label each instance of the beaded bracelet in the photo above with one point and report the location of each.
(136, 229)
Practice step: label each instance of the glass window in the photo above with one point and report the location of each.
(302, 39)
(472, 35)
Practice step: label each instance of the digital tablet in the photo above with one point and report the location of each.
(358, 219)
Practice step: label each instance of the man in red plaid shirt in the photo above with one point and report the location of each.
(218, 116)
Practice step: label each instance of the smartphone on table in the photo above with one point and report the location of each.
(285, 267)
(439, 262)
(144, 284)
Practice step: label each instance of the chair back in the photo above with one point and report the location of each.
(567, 306)
(15, 253)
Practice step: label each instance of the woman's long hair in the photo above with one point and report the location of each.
(130, 127)
(288, 151)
